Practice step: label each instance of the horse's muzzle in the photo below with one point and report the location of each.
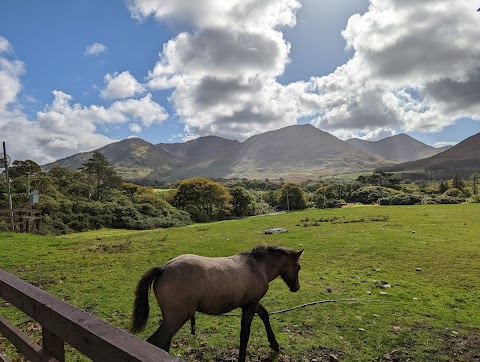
(295, 288)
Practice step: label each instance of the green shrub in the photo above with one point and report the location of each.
(448, 200)
(453, 192)
(401, 199)
(3, 226)
(371, 194)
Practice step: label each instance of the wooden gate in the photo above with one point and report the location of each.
(21, 219)
(62, 323)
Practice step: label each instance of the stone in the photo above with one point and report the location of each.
(333, 358)
(275, 231)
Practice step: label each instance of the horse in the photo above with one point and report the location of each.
(191, 283)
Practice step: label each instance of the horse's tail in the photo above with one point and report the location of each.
(141, 307)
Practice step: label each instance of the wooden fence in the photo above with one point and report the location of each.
(62, 323)
(21, 219)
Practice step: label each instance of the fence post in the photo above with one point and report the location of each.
(53, 345)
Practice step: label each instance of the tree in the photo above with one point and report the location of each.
(242, 201)
(203, 199)
(457, 182)
(320, 199)
(292, 197)
(102, 177)
(22, 168)
(442, 188)
(475, 184)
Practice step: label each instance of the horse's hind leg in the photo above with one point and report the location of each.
(163, 335)
(263, 314)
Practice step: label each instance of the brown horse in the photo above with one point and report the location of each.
(191, 283)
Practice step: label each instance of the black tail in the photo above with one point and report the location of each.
(141, 307)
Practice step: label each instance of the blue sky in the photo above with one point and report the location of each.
(173, 70)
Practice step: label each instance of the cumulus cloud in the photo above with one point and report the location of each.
(135, 128)
(121, 85)
(10, 73)
(5, 45)
(63, 127)
(415, 67)
(224, 71)
(95, 49)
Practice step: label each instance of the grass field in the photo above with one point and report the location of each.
(429, 255)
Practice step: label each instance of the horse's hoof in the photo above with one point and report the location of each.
(275, 347)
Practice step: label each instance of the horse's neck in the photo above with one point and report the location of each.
(274, 266)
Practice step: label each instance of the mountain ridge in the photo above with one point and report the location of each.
(401, 147)
(296, 152)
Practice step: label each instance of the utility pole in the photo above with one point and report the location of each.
(288, 203)
(9, 193)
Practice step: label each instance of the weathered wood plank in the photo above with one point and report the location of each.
(53, 345)
(23, 343)
(4, 357)
(93, 337)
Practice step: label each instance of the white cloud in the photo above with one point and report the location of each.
(5, 46)
(224, 71)
(249, 14)
(10, 72)
(95, 49)
(135, 128)
(444, 144)
(415, 68)
(63, 128)
(121, 85)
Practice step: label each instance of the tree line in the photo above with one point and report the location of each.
(95, 196)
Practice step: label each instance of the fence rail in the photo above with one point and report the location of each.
(62, 323)
(21, 219)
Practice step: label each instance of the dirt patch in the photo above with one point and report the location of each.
(462, 347)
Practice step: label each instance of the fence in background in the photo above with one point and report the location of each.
(21, 219)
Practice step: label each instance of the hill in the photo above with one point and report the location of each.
(399, 147)
(295, 153)
(462, 158)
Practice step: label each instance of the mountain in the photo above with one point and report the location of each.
(295, 153)
(463, 157)
(399, 147)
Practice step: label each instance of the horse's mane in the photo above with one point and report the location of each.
(261, 252)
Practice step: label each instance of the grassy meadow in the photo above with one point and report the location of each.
(429, 255)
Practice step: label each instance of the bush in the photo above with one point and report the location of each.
(453, 192)
(371, 194)
(65, 217)
(401, 199)
(3, 226)
(448, 200)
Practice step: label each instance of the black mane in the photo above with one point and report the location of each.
(261, 252)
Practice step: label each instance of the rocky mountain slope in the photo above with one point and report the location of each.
(399, 147)
(295, 153)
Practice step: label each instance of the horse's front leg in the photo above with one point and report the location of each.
(248, 312)
(263, 314)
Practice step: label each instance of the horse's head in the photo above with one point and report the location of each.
(290, 272)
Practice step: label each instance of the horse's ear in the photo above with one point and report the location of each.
(299, 254)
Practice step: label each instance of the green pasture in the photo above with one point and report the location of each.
(429, 255)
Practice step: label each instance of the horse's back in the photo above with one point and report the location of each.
(209, 285)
